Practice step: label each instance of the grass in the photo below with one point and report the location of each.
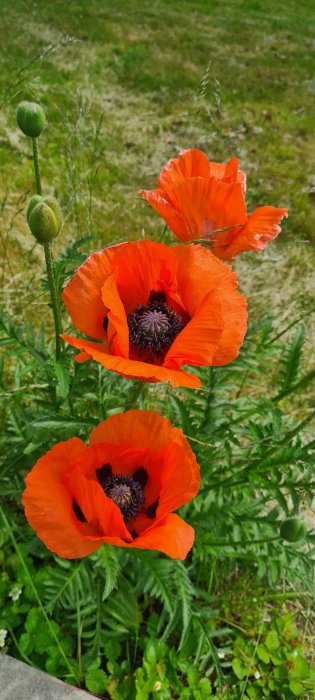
(127, 86)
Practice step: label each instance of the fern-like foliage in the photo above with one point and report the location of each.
(292, 359)
(256, 464)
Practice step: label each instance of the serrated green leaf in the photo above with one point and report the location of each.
(239, 669)
(262, 653)
(296, 688)
(272, 640)
(96, 680)
(26, 643)
(292, 359)
(107, 557)
(300, 669)
(62, 371)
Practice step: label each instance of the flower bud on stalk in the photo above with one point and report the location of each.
(293, 529)
(44, 218)
(31, 118)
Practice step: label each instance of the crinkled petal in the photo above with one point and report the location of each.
(190, 163)
(205, 205)
(175, 477)
(131, 369)
(101, 513)
(48, 503)
(261, 227)
(142, 267)
(117, 331)
(172, 536)
(141, 429)
(83, 295)
(198, 341)
(159, 201)
(205, 283)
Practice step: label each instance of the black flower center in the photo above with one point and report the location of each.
(153, 328)
(126, 491)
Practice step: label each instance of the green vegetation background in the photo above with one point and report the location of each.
(126, 85)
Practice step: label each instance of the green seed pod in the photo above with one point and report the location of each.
(53, 204)
(293, 529)
(31, 118)
(36, 199)
(44, 218)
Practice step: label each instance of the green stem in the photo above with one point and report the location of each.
(24, 657)
(35, 592)
(53, 296)
(48, 260)
(36, 167)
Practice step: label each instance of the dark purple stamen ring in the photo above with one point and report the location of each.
(153, 328)
(127, 493)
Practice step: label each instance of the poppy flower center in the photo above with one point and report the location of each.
(153, 328)
(126, 491)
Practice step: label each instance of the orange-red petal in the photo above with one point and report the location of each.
(233, 174)
(141, 429)
(83, 295)
(198, 341)
(190, 163)
(131, 369)
(171, 535)
(48, 503)
(117, 331)
(160, 202)
(201, 206)
(261, 227)
(142, 267)
(102, 514)
(174, 475)
(208, 287)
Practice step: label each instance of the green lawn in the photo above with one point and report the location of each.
(150, 79)
(126, 86)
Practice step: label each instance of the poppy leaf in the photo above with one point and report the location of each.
(62, 371)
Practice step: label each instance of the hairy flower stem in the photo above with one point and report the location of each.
(36, 166)
(54, 297)
(49, 261)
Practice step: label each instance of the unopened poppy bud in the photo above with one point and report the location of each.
(31, 118)
(293, 529)
(36, 199)
(44, 218)
(53, 204)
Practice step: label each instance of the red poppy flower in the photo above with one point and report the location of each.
(197, 197)
(121, 489)
(155, 309)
